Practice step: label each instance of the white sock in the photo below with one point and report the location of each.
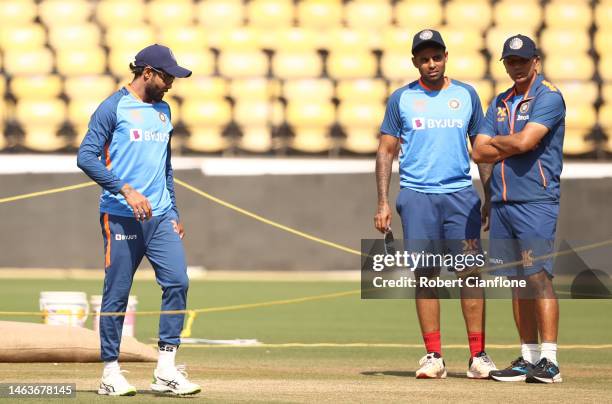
(549, 351)
(167, 353)
(530, 352)
(111, 367)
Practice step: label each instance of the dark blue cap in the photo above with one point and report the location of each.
(521, 46)
(161, 58)
(427, 36)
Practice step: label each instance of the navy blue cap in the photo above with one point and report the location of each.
(427, 36)
(161, 57)
(521, 46)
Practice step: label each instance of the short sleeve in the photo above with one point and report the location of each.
(392, 122)
(548, 109)
(477, 115)
(487, 125)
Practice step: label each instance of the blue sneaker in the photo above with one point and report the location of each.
(516, 372)
(544, 371)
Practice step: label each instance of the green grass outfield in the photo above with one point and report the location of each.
(340, 373)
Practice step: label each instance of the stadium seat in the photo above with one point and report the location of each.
(200, 87)
(295, 39)
(568, 14)
(200, 62)
(360, 121)
(576, 143)
(311, 140)
(605, 67)
(351, 65)
(578, 92)
(361, 140)
(319, 14)
(475, 14)
(561, 41)
(188, 37)
(240, 39)
(254, 89)
(17, 12)
(38, 61)
(206, 139)
(484, 89)
(606, 93)
(40, 120)
(256, 139)
(220, 14)
(362, 90)
(22, 37)
(603, 14)
(133, 37)
(79, 62)
(254, 118)
(79, 114)
(74, 36)
(397, 39)
(461, 41)
(85, 87)
(308, 90)
(601, 41)
(119, 61)
(466, 66)
(517, 15)
(577, 67)
(296, 65)
(270, 14)
(368, 14)
(170, 13)
(582, 116)
(114, 13)
(205, 120)
(345, 39)
(242, 64)
(64, 12)
(496, 37)
(36, 87)
(398, 66)
(498, 70)
(416, 13)
(310, 113)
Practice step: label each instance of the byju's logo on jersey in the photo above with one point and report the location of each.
(418, 123)
(125, 237)
(135, 135)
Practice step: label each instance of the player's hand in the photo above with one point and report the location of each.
(485, 214)
(178, 228)
(382, 220)
(138, 202)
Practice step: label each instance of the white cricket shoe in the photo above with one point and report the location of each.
(480, 366)
(173, 380)
(115, 384)
(432, 367)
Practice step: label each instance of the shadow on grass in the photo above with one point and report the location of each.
(148, 393)
(401, 373)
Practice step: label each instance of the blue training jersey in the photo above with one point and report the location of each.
(433, 127)
(132, 138)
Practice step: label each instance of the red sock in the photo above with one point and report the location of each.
(432, 342)
(477, 342)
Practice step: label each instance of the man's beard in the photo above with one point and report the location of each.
(154, 94)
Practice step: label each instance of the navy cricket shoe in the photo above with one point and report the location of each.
(545, 371)
(516, 372)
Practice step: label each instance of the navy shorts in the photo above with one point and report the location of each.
(438, 223)
(522, 237)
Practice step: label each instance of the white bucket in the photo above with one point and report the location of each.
(64, 308)
(129, 321)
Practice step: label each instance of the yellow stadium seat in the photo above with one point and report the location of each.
(311, 113)
(200, 87)
(498, 70)
(398, 66)
(416, 13)
(308, 90)
(581, 117)
(368, 14)
(79, 114)
(206, 139)
(496, 37)
(345, 39)
(606, 93)
(95, 87)
(577, 67)
(23, 37)
(270, 14)
(360, 114)
(256, 139)
(605, 67)
(560, 41)
(295, 65)
(603, 14)
(351, 65)
(461, 40)
(236, 64)
(17, 12)
(39, 61)
(244, 39)
(576, 143)
(397, 39)
(319, 14)
(568, 14)
(64, 12)
(362, 90)
(253, 89)
(74, 36)
(113, 13)
(189, 38)
(220, 14)
(602, 40)
(484, 89)
(119, 61)
(475, 14)
(133, 37)
(466, 66)
(517, 15)
(40, 120)
(578, 92)
(201, 63)
(604, 117)
(78, 62)
(295, 39)
(205, 120)
(37, 87)
(361, 140)
(311, 140)
(253, 112)
(165, 13)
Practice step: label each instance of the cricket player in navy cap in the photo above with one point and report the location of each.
(127, 152)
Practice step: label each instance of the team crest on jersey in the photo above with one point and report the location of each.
(501, 114)
(135, 135)
(524, 107)
(454, 104)
(162, 117)
(418, 123)
(419, 105)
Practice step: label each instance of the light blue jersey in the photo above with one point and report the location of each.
(433, 127)
(132, 138)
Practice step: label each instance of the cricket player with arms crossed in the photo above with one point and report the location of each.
(131, 132)
(523, 135)
(430, 120)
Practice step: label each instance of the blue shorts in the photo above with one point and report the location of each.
(523, 234)
(454, 217)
